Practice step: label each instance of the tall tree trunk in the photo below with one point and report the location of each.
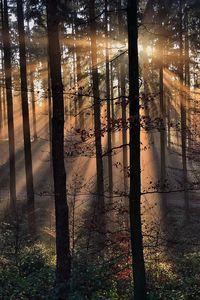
(79, 75)
(79, 88)
(108, 95)
(79, 80)
(33, 107)
(112, 99)
(49, 108)
(97, 120)
(25, 116)
(9, 97)
(49, 105)
(161, 47)
(3, 99)
(162, 129)
(135, 175)
(74, 63)
(162, 139)
(183, 114)
(112, 91)
(1, 112)
(123, 101)
(169, 120)
(187, 76)
(34, 122)
(1, 102)
(63, 262)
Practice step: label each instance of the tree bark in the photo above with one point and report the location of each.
(63, 262)
(97, 120)
(79, 77)
(25, 116)
(183, 114)
(187, 77)
(161, 47)
(4, 112)
(9, 97)
(34, 120)
(108, 95)
(33, 107)
(1, 108)
(135, 175)
(123, 101)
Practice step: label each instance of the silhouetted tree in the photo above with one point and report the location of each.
(135, 167)
(9, 98)
(63, 259)
(25, 115)
(97, 119)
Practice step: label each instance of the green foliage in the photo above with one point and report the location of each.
(32, 260)
(100, 277)
(30, 276)
(178, 279)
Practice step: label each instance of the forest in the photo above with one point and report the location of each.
(99, 149)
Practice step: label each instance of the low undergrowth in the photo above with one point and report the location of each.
(27, 269)
(31, 276)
